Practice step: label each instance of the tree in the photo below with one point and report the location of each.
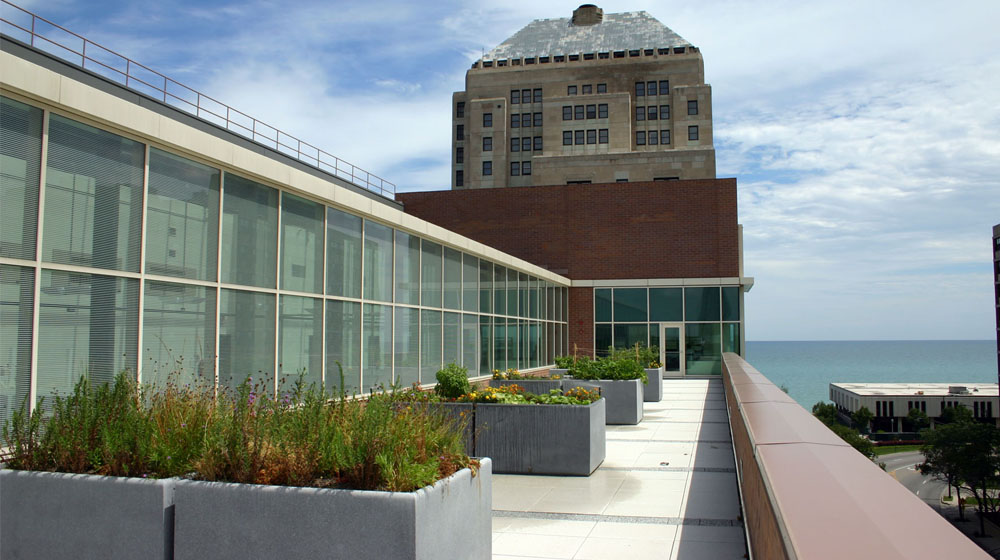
(942, 448)
(862, 417)
(954, 414)
(862, 444)
(827, 413)
(918, 420)
(978, 466)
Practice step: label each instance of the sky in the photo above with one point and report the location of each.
(865, 136)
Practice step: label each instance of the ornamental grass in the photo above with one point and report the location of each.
(300, 437)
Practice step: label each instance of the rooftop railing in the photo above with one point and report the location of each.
(29, 28)
(807, 494)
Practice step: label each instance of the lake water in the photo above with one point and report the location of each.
(808, 368)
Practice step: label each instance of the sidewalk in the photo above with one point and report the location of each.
(667, 490)
(969, 527)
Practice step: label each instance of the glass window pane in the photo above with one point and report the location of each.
(512, 286)
(378, 263)
(522, 284)
(485, 287)
(470, 286)
(93, 197)
(430, 345)
(654, 337)
(602, 340)
(666, 304)
(499, 289)
(703, 348)
(430, 276)
(300, 340)
(524, 344)
(249, 233)
(470, 340)
(182, 218)
(178, 334)
(343, 254)
(343, 346)
(731, 337)
(701, 304)
(17, 289)
(377, 361)
(452, 339)
(406, 341)
(602, 305)
(628, 335)
(407, 268)
(452, 278)
(301, 245)
(246, 337)
(534, 338)
(21, 160)
(485, 345)
(731, 303)
(499, 344)
(630, 304)
(87, 323)
(533, 298)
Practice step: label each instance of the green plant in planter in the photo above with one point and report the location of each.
(609, 368)
(564, 362)
(452, 381)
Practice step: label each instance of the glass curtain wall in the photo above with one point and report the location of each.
(236, 279)
(710, 315)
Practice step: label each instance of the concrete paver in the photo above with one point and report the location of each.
(666, 490)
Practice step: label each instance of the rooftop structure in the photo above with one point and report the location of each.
(595, 98)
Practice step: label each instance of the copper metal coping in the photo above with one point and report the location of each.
(830, 501)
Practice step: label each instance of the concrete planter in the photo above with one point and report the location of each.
(652, 391)
(624, 398)
(533, 386)
(542, 439)
(451, 519)
(559, 371)
(58, 515)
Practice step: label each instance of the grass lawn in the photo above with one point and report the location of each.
(886, 449)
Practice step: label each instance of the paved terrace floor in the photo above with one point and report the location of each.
(667, 490)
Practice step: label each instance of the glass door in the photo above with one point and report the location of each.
(671, 349)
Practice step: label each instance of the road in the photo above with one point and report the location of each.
(902, 466)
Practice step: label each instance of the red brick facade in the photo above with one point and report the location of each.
(669, 229)
(609, 231)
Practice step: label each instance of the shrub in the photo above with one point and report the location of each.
(609, 368)
(564, 362)
(452, 381)
(301, 437)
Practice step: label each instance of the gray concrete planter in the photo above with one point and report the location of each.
(542, 438)
(652, 391)
(533, 386)
(57, 515)
(624, 398)
(451, 519)
(559, 371)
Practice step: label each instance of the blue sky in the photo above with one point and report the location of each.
(865, 135)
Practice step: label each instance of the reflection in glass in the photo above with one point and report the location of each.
(407, 268)
(20, 160)
(407, 344)
(343, 254)
(377, 361)
(666, 304)
(602, 305)
(701, 304)
(178, 340)
(452, 339)
(300, 340)
(17, 288)
(246, 337)
(182, 218)
(343, 345)
(378, 262)
(249, 233)
(703, 348)
(630, 305)
(93, 197)
(452, 279)
(301, 244)
(430, 274)
(430, 345)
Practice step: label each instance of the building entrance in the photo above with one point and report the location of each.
(671, 349)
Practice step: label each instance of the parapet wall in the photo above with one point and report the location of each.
(807, 494)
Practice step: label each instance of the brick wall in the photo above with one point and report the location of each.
(671, 229)
(581, 320)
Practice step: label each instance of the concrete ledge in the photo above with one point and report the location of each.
(451, 519)
(624, 397)
(56, 515)
(652, 391)
(542, 438)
